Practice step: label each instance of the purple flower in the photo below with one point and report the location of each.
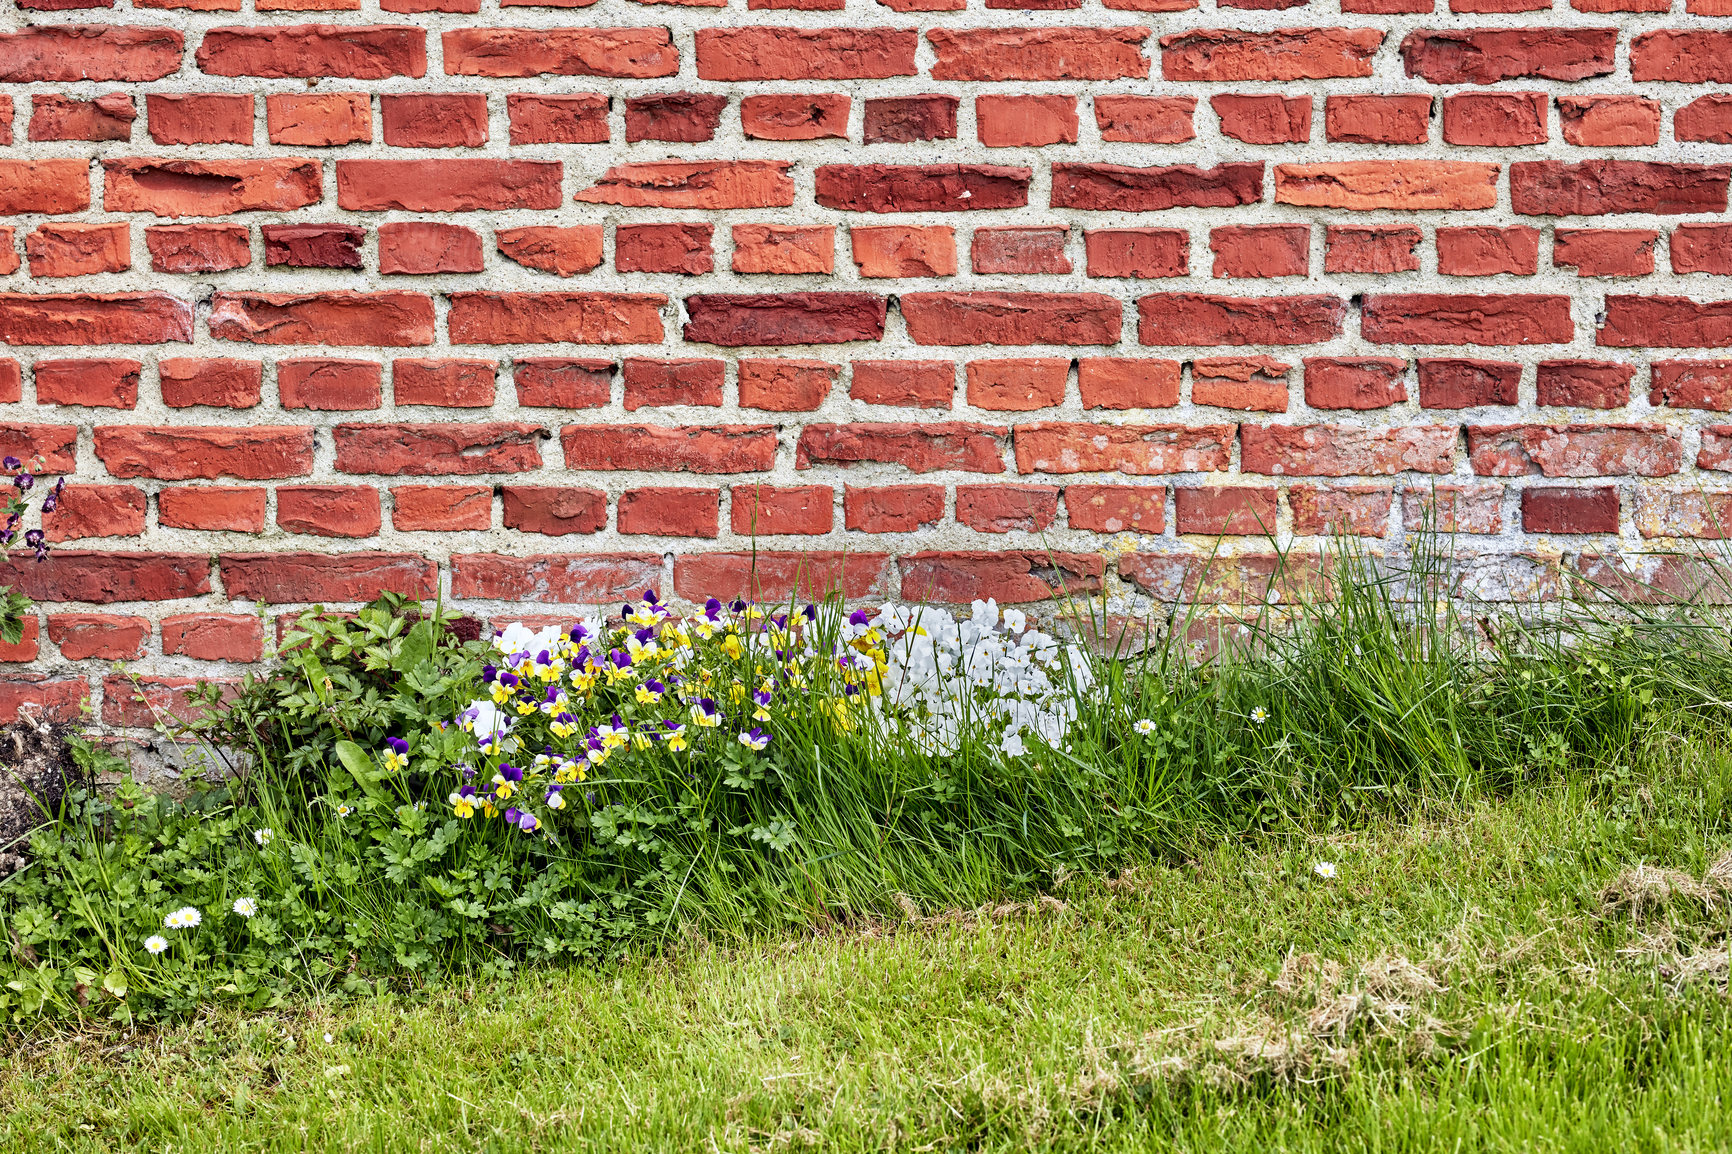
(398, 744)
(510, 772)
(488, 674)
(51, 502)
(512, 814)
(11, 463)
(578, 632)
(23, 482)
(645, 634)
(525, 822)
(552, 694)
(620, 658)
(859, 617)
(468, 775)
(510, 680)
(544, 658)
(810, 613)
(738, 606)
(649, 595)
(655, 686)
(712, 608)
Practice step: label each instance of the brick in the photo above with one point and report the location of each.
(1019, 250)
(738, 319)
(1609, 121)
(785, 386)
(1134, 450)
(1039, 53)
(1607, 251)
(328, 510)
(447, 185)
(906, 119)
(1146, 119)
(318, 120)
(1116, 508)
(1695, 57)
(1219, 510)
(668, 248)
(1025, 121)
(712, 184)
(1453, 509)
(920, 448)
(1341, 451)
(892, 508)
(1495, 119)
(46, 186)
(329, 385)
(564, 251)
(1665, 322)
(1128, 382)
(220, 382)
(1547, 509)
(1011, 577)
(1716, 451)
(783, 53)
(1357, 510)
(1255, 384)
(766, 510)
(459, 384)
(1488, 251)
(1408, 185)
(1641, 450)
(96, 511)
(214, 636)
(1117, 188)
(197, 247)
(670, 512)
(1142, 253)
(28, 646)
(625, 53)
(1285, 54)
(1355, 249)
(55, 446)
(109, 576)
(313, 245)
(1268, 250)
(43, 699)
(441, 508)
(1584, 384)
(356, 52)
(104, 636)
(1264, 119)
(1594, 187)
(186, 453)
(424, 247)
(198, 118)
(1706, 118)
(554, 511)
(109, 383)
(11, 381)
(806, 116)
(681, 117)
(147, 318)
(434, 120)
(329, 318)
(1674, 514)
(56, 117)
(573, 119)
(1453, 383)
(212, 508)
(1007, 508)
(921, 187)
(1488, 55)
(1691, 385)
(301, 578)
(770, 577)
(1358, 383)
(441, 449)
(564, 383)
(671, 449)
(66, 53)
(482, 318)
(1438, 319)
(209, 188)
(66, 250)
(784, 249)
(1699, 248)
(1018, 384)
(1011, 318)
(672, 382)
(903, 250)
(1377, 119)
(585, 579)
(148, 702)
(907, 384)
(1195, 319)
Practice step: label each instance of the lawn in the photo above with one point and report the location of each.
(1543, 970)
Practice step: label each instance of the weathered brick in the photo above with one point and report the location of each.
(815, 116)
(214, 636)
(422, 248)
(318, 120)
(1135, 450)
(713, 184)
(1017, 384)
(676, 449)
(1377, 249)
(109, 382)
(65, 53)
(554, 511)
(106, 636)
(566, 119)
(1264, 119)
(1495, 119)
(1254, 384)
(1285, 54)
(441, 508)
(197, 247)
(1358, 510)
(1608, 251)
(1584, 384)
(1377, 119)
(904, 250)
(1194, 319)
(738, 319)
(911, 384)
(681, 117)
(670, 512)
(1354, 383)
(301, 578)
(1453, 383)
(222, 382)
(1025, 121)
(767, 510)
(669, 248)
(1548, 509)
(1116, 508)
(329, 318)
(1002, 508)
(198, 118)
(1439, 319)
(1010, 577)
(457, 185)
(357, 52)
(984, 318)
(1691, 385)
(1118, 188)
(1219, 510)
(808, 575)
(1146, 119)
(1632, 322)
(442, 449)
(783, 385)
(905, 119)
(313, 245)
(1128, 382)
(1399, 184)
(920, 187)
(920, 448)
(108, 117)
(96, 511)
(1488, 55)
(1594, 187)
(484, 318)
(213, 508)
(1488, 251)
(186, 453)
(1342, 451)
(1263, 250)
(1641, 450)
(627, 53)
(892, 508)
(1038, 53)
(782, 249)
(564, 383)
(328, 510)
(66, 250)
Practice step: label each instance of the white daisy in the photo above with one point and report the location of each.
(1259, 715)
(263, 836)
(1324, 869)
(156, 943)
(1145, 726)
(246, 907)
(184, 918)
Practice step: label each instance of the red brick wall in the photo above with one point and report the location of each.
(535, 304)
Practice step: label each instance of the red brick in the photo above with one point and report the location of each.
(1406, 185)
(1706, 118)
(108, 117)
(1010, 577)
(221, 382)
(197, 247)
(1642, 450)
(1716, 451)
(770, 577)
(1453, 508)
(800, 116)
(358, 52)
(107, 383)
(1593, 187)
(109, 576)
(1606, 251)
(1017, 385)
(740, 319)
(707, 184)
(185, 453)
(783, 53)
(1691, 385)
(1688, 514)
(554, 511)
(87, 510)
(328, 510)
(671, 449)
(1359, 510)
(82, 636)
(1007, 508)
(1449, 383)
(1025, 121)
(1340, 451)
(566, 119)
(199, 118)
(904, 250)
(1377, 119)
(563, 383)
(923, 447)
(441, 508)
(9, 262)
(565, 251)
(627, 53)
(906, 119)
(1614, 121)
(1231, 510)
(434, 120)
(1351, 248)
(562, 578)
(989, 318)
(1354, 382)
(1694, 57)
(441, 449)
(1020, 250)
(67, 53)
(784, 249)
(1265, 250)
(41, 699)
(1488, 55)
(1438, 319)
(1665, 322)
(64, 250)
(328, 385)
(1195, 319)
(294, 578)
(786, 386)
(1488, 251)
(1584, 384)
(764, 510)
(56, 446)
(1146, 119)
(670, 512)
(1264, 119)
(421, 248)
(1143, 253)
(1699, 248)
(214, 636)
(673, 382)
(1285, 54)
(28, 646)
(313, 245)
(318, 119)
(218, 508)
(907, 384)
(47, 186)
(1555, 510)
(479, 318)
(461, 384)
(892, 508)
(921, 187)
(1135, 450)
(1117, 188)
(209, 187)
(1495, 119)
(671, 248)
(1039, 53)
(1117, 508)
(1256, 384)
(1128, 382)
(447, 185)
(682, 117)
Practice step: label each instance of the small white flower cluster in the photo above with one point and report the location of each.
(184, 918)
(990, 668)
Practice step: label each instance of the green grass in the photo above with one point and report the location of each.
(1465, 983)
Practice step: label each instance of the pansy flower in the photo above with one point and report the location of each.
(397, 754)
(705, 714)
(463, 802)
(650, 692)
(527, 822)
(762, 700)
(555, 798)
(755, 739)
(675, 737)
